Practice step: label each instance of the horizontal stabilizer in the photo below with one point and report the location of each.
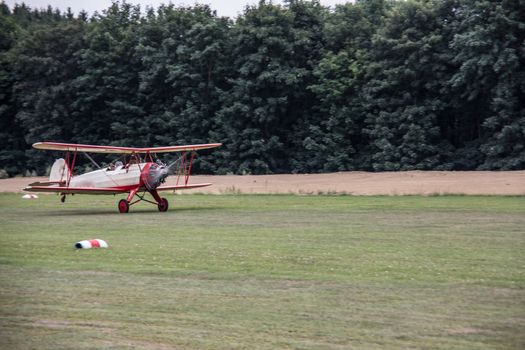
(47, 183)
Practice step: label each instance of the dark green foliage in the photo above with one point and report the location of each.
(336, 141)
(268, 105)
(12, 143)
(401, 96)
(182, 51)
(489, 49)
(108, 82)
(369, 85)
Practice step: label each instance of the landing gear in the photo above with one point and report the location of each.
(163, 205)
(63, 198)
(123, 206)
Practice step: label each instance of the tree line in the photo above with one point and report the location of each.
(371, 85)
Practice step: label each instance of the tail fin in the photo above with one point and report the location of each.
(58, 171)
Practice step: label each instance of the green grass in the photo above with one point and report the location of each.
(264, 272)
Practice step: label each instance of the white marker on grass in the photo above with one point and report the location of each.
(91, 243)
(29, 196)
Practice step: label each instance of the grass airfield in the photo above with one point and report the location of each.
(264, 272)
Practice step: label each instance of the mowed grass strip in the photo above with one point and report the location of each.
(264, 272)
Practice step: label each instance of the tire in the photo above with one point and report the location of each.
(123, 206)
(163, 205)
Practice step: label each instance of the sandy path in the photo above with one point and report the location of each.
(357, 183)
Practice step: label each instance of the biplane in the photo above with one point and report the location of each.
(139, 172)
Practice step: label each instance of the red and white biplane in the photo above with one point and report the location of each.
(139, 172)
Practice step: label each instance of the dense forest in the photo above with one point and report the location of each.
(371, 85)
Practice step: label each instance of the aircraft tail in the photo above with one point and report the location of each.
(58, 171)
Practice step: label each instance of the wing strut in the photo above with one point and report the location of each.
(70, 165)
(92, 160)
(189, 168)
(185, 167)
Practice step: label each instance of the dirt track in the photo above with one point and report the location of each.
(357, 183)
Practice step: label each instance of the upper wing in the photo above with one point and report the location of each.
(56, 146)
(183, 148)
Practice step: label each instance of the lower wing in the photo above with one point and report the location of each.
(182, 187)
(104, 190)
(74, 190)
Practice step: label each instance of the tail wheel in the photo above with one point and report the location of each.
(163, 204)
(123, 206)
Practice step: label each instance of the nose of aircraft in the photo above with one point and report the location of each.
(154, 176)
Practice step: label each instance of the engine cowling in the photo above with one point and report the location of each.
(153, 175)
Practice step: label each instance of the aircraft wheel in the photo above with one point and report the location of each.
(163, 204)
(63, 198)
(123, 206)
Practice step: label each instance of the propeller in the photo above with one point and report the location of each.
(157, 174)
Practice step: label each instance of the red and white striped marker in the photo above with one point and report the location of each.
(91, 243)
